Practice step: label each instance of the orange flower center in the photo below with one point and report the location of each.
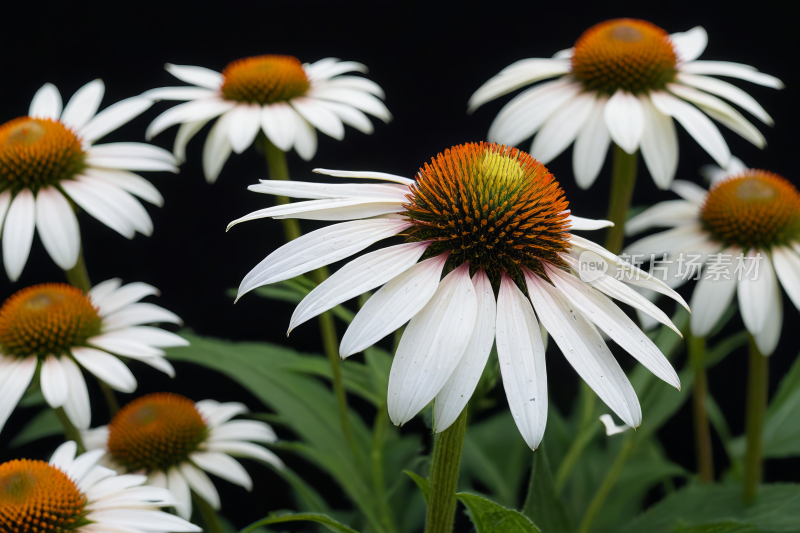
(629, 54)
(494, 206)
(38, 498)
(37, 152)
(47, 319)
(754, 209)
(264, 79)
(156, 432)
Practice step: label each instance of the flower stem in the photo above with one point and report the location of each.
(586, 431)
(623, 179)
(70, 431)
(111, 398)
(279, 170)
(444, 476)
(78, 276)
(702, 429)
(608, 483)
(209, 515)
(756, 406)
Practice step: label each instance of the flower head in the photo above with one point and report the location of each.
(495, 223)
(71, 494)
(48, 161)
(57, 329)
(745, 231)
(624, 80)
(173, 440)
(278, 95)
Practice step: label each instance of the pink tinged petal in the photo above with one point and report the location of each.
(323, 119)
(767, 340)
(245, 121)
(64, 455)
(659, 144)
(83, 105)
(129, 182)
(224, 466)
(193, 111)
(305, 138)
(279, 122)
(710, 299)
(562, 127)
(393, 305)
(587, 224)
(360, 100)
(787, 266)
(121, 297)
(246, 449)
(106, 367)
(319, 191)
(455, 394)
(728, 91)
(58, 227)
(591, 146)
(516, 75)
(177, 485)
(186, 132)
(93, 201)
(756, 292)
(180, 93)
(102, 290)
(432, 345)
(113, 117)
(46, 103)
(217, 148)
(120, 343)
(364, 175)
(614, 322)
(77, 404)
(624, 118)
(136, 519)
(139, 313)
(696, 123)
(15, 380)
(198, 481)
(216, 413)
(522, 364)
(348, 115)
(318, 248)
(53, 380)
(196, 75)
(525, 114)
(734, 70)
(357, 277)
(243, 430)
(690, 44)
(18, 233)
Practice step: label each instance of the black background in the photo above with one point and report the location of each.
(429, 57)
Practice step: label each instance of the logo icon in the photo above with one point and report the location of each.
(591, 266)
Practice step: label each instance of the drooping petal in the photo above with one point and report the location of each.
(787, 266)
(591, 146)
(139, 313)
(319, 191)
(83, 105)
(121, 344)
(121, 297)
(279, 122)
(321, 118)
(102, 290)
(46, 103)
(246, 449)
(514, 76)
(198, 481)
(77, 405)
(178, 486)
(365, 175)
(18, 376)
(659, 144)
(18, 233)
(106, 367)
(357, 83)
(54, 383)
(64, 455)
(180, 93)
(129, 182)
(587, 224)
(562, 128)
(186, 132)
(710, 299)
(194, 111)
(217, 148)
(728, 91)
(224, 466)
(108, 203)
(216, 413)
(58, 227)
(625, 120)
(251, 430)
(348, 115)
(360, 100)
(767, 340)
(305, 138)
(328, 209)
(734, 70)
(196, 75)
(245, 122)
(756, 290)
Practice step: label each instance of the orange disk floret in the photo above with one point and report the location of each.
(38, 498)
(47, 319)
(754, 209)
(494, 206)
(629, 54)
(156, 432)
(264, 79)
(37, 152)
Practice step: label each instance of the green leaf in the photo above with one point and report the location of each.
(44, 424)
(776, 510)
(717, 528)
(489, 517)
(319, 518)
(424, 484)
(542, 504)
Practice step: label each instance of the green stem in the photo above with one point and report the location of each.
(70, 431)
(702, 428)
(444, 476)
(111, 398)
(756, 406)
(586, 432)
(378, 478)
(209, 515)
(608, 483)
(279, 170)
(78, 276)
(623, 180)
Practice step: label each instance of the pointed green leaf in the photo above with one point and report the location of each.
(424, 484)
(542, 504)
(489, 517)
(44, 424)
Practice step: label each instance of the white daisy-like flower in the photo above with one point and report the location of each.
(75, 495)
(57, 328)
(275, 94)
(495, 219)
(174, 441)
(745, 235)
(625, 80)
(48, 160)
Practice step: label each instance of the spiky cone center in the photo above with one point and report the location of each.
(156, 432)
(493, 206)
(47, 319)
(756, 209)
(264, 79)
(37, 152)
(629, 54)
(36, 497)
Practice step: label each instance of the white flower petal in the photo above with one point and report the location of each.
(357, 83)
(321, 118)
(710, 299)
(689, 191)
(432, 345)
(130, 150)
(5, 201)
(393, 305)
(728, 91)
(186, 132)
(180, 93)
(124, 296)
(670, 241)
(177, 485)
(328, 209)
(139, 313)
(365, 175)
(53, 381)
(106, 367)
(15, 380)
(734, 70)
(245, 121)
(663, 214)
(95, 475)
(196, 75)
(360, 100)
(217, 413)
(94, 202)
(77, 405)
(102, 290)
(252, 430)
(150, 336)
(787, 266)
(756, 292)
(318, 191)
(279, 122)
(625, 120)
(18, 233)
(217, 148)
(97, 438)
(129, 182)
(348, 115)
(246, 449)
(113, 117)
(330, 67)
(194, 111)
(517, 75)
(120, 343)
(305, 137)
(58, 227)
(82, 464)
(690, 44)
(64, 455)
(562, 127)
(659, 144)
(591, 146)
(198, 481)
(46, 103)
(123, 203)
(611, 427)
(767, 340)
(83, 105)
(224, 466)
(159, 363)
(135, 519)
(587, 224)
